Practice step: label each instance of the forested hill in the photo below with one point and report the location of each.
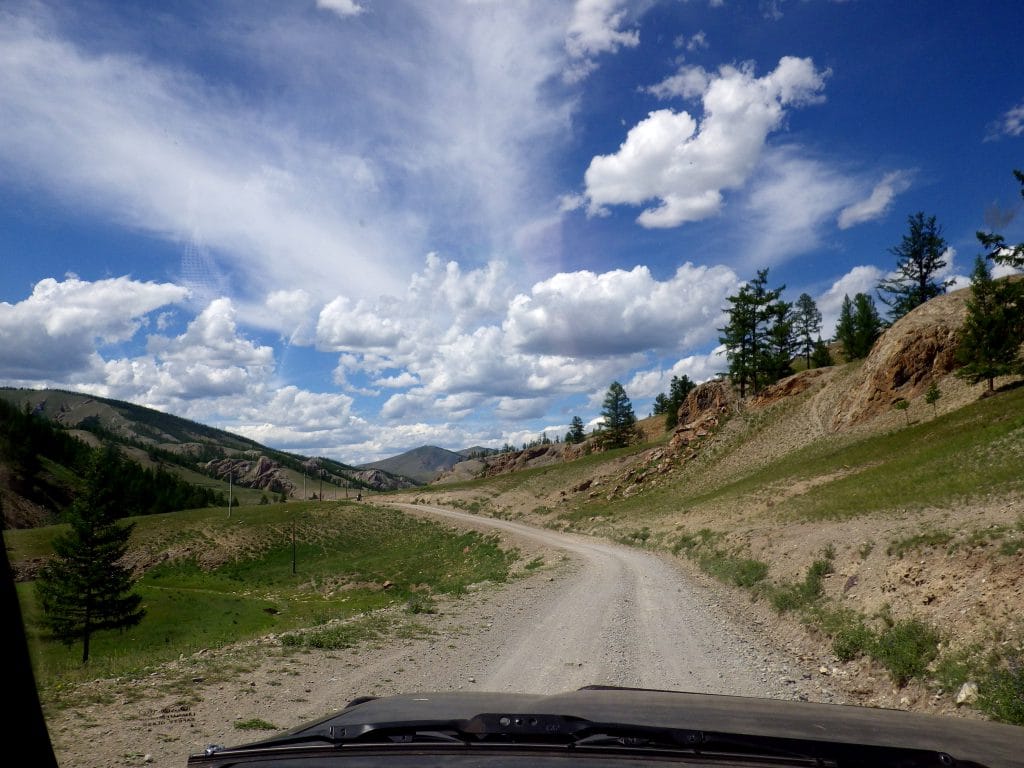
(48, 436)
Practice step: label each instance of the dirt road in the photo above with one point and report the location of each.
(619, 616)
(596, 613)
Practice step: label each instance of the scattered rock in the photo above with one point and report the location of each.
(968, 694)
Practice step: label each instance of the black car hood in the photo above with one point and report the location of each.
(987, 743)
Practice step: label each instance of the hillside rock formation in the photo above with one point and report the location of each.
(917, 349)
(261, 473)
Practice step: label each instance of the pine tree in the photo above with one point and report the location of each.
(679, 388)
(781, 341)
(845, 328)
(661, 405)
(575, 433)
(991, 335)
(821, 357)
(757, 338)
(619, 419)
(932, 396)
(85, 588)
(806, 326)
(867, 324)
(859, 326)
(919, 258)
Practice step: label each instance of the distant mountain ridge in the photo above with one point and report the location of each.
(425, 463)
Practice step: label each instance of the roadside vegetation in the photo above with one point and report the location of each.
(916, 482)
(209, 580)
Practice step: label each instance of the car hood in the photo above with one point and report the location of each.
(990, 744)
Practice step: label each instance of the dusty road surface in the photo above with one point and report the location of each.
(619, 616)
(595, 613)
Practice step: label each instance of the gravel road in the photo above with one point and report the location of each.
(596, 613)
(616, 616)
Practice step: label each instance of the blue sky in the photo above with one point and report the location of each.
(352, 227)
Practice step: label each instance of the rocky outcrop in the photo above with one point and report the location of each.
(266, 474)
(381, 481)
(261, 473)
(919, 348)
(702, 411)
(504, 463)
(796, 384)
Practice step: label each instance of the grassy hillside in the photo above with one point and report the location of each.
(208, 580)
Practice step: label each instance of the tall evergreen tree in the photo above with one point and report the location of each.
(575, 433)
(867, 323)
(618, 418)
(859, 326)
(739, 338)
(756, 333)
(781, 342)
(845, 329)
(919, 258)
(991, 336)
(85, 588)
(806, 326)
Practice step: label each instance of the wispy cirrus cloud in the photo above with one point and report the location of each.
(878, 203)
(1010, 124)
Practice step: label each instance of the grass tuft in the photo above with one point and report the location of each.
(906, 649)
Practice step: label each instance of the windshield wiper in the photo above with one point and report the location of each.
(491, 730)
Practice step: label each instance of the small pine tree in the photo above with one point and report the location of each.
(992, 331)
(619, 419)
(575, 433)
(903, 405)
(821, 357)
(85, 588)
(932, 396)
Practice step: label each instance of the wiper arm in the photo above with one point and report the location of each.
(407, 732)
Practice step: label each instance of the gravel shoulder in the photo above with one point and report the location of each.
(595, 613)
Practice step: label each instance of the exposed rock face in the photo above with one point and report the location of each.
(919, 348)
(715, 396)
(381, 481)
(701, 411)
(259, 473)
(787, 387)
(266, 474)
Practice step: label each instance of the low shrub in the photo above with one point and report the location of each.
(852, 642)
(906, 649)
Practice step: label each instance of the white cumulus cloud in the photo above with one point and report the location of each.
(686, 165)
(55, 332)
(583, 314)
